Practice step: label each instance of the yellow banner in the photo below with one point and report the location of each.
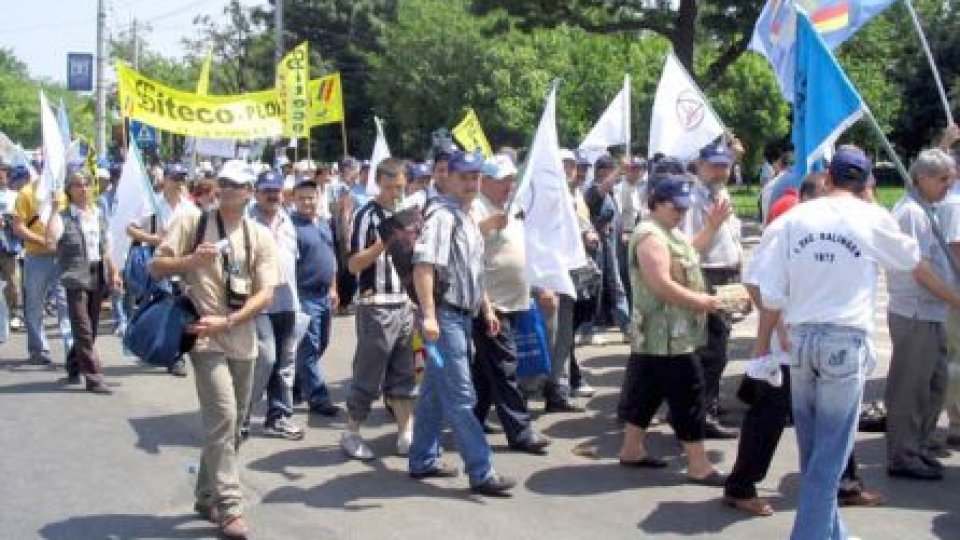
(242, 116)
(470, 134)
(326, 100)
(293, 76)
(203, 82)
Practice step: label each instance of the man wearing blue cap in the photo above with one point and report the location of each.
(276, 325)
(419, 186)
(448, 275)
(715, 231)
(818, 271)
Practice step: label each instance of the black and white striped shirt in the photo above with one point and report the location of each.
(379, 282)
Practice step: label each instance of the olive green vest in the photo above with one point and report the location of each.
(658, 328)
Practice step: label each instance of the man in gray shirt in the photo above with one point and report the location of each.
(917, 379)
(448, 276)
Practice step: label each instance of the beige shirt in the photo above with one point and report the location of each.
(207, 287)
(504, 261)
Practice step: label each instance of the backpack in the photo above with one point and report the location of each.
(136, 273)
(400, 232)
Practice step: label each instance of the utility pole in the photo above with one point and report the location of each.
(278, 32)
(136, 46)
(101, 134)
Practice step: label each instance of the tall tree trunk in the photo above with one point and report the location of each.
(685, 32)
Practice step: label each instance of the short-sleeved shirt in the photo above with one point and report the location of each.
(819, 262)
(724, 250)
(378, 283)
(948, 212)
(27, 210)
(168, 212)
(207, 287)
(283, 233)
(451, 242)
(908, 298)
(504, 260)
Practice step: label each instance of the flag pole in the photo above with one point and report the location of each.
(626, 114)
(933, 65)
(343, 136)
(902, 170)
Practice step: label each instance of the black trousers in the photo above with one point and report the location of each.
(583, 311)
(494, 373)
(651, 379)
(713, 356)
(759, 435)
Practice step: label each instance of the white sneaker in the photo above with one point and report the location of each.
(354, 447)
(404, 440)
(584, 391)
(598, 340)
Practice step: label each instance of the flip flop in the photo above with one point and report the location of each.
(647, 462)
(714, 479)
(755, 506)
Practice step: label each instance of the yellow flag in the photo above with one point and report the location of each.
(470, 134)
(326, 100)
(293, 77)
(203, 83)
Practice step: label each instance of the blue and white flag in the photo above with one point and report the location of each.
(825, 103)
(774, 35)
(63, 120)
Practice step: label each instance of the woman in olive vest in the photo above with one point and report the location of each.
(668, 324)
(79, 235)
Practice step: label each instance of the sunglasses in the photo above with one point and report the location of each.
(225, 183)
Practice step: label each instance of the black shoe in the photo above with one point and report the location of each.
(495, 486)
(442, 470)
(536, 445)
(713, 430)
(559, 406)
(490, 428)
(73, 379)
(99, 388)
(916, 471)
(178, 369)
(325, 409)
(932, 462)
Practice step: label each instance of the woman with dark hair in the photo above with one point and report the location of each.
(79, 235)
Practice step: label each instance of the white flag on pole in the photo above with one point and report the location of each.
(135, 200)
(683, 121)
(54, 160)
(380, 152)
(613, 127)
(552, 233)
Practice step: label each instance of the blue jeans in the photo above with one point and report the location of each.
(41, 277)
(276, 351)
(828, 369)
(309, 376)
(447, 393)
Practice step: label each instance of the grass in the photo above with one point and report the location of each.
(745, 199)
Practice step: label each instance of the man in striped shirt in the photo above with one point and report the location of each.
(384, 319)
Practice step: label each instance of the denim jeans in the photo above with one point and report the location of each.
(41, 277)
(828, 369)
(309, 376)
(447, 393)
(274, 371)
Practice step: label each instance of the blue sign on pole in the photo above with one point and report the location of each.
(145, 135)
(80, 72)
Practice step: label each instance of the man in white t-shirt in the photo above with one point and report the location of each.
(819, 273)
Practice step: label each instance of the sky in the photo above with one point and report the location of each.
(42, 32)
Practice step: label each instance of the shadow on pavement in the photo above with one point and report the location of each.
(688, 518)
(945, 526)
(39, 387)
(596, 478)
(288, 461)
(126, 526)
(183, 429)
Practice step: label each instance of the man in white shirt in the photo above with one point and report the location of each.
(819, 272)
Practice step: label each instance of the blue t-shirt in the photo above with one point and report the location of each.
(316, 256)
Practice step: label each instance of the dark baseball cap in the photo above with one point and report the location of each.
(19, 172)
(417, 171)
(269, 180)
(716, 153)
(668, 165)
(850, 164)
(172, 170)
(605, 162)
(445, 151)
(671, 187)
(465, 162)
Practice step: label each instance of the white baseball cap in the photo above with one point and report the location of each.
(238, 171)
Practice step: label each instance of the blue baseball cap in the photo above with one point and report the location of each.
(173, 170)
(348, 162)
(465, 162)
(605, 162)
(851, 164)
(269, 180)
(671, 187)
(445, 151)
(417, 171)
(19, 172)
(716, 153)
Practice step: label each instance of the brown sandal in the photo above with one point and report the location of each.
(755, 506)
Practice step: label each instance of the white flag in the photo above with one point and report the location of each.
(380, 152)
(613, 127)
(135, 200)
(54, 160)
(553, 245)
(683, 121)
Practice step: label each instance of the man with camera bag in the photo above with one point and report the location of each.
(229, 269)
